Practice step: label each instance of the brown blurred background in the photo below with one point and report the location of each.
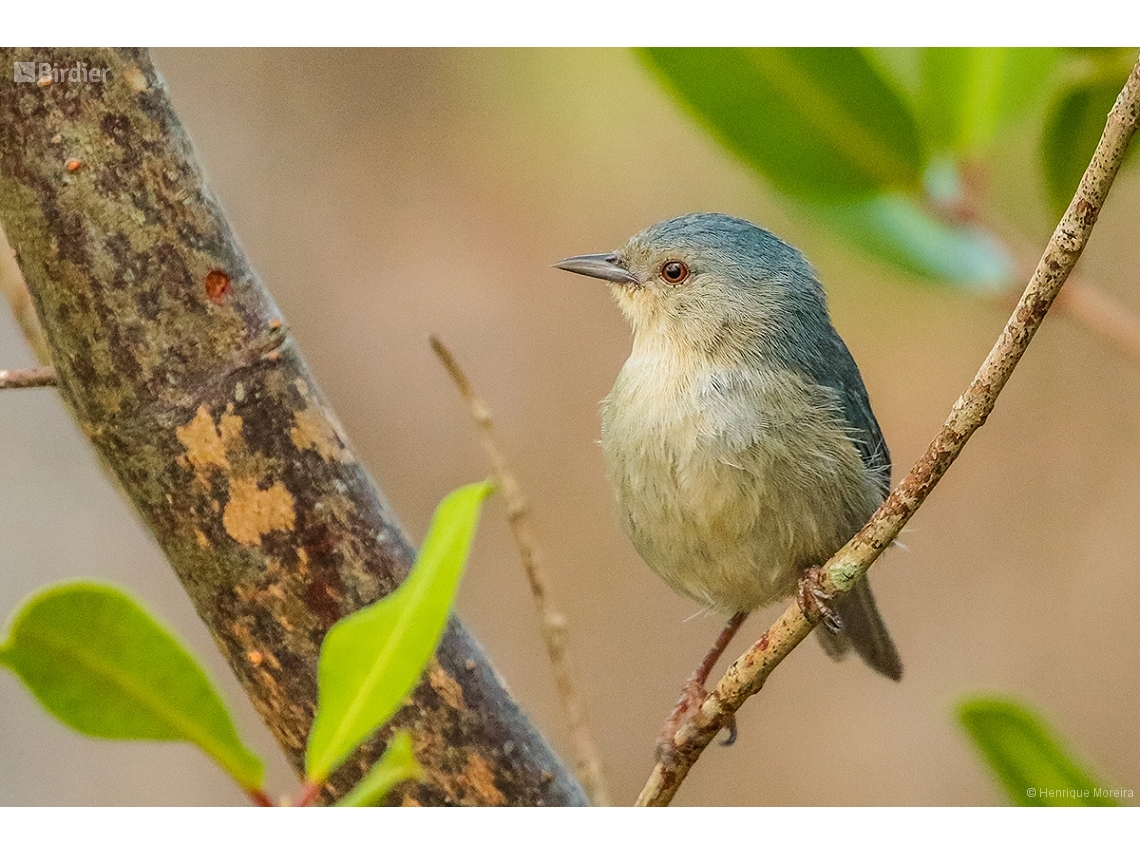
(387, 194)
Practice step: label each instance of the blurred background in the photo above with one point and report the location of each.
(387, 194)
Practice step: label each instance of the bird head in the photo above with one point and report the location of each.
(705, 281)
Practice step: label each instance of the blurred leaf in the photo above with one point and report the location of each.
(970, 93)
(1034, 769)
(1076, 121)
(899, 65)
(106, 668)
(819, 123)
(398, 764)
(373, 658)
(894, 229)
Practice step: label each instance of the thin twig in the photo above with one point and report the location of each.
(1100, 311)
(27, 378)
(747, 674)
(1083, 301)
(553, 622)
(15, 291)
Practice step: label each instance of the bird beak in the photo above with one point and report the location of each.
(606, 265)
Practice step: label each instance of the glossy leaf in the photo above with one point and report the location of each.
(969, 93)
(1072, 131)
(373, 658)
(894, 229)
(97, 661)
(397, 764)
(1034, 769)
(819, 123)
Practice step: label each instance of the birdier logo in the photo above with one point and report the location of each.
(46, 73)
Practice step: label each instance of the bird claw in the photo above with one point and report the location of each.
(731, 738)
(815, 603)
(693, 696)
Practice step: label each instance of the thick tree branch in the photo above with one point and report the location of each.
(553, 622)
(747, 674)
(178, 366)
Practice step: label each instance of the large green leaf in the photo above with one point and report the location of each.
(894, 229)
(106, 668)
(969, 93)
(398, 764)
(819, 123)
(373, 658)
(1072, 131)
(1034, 769)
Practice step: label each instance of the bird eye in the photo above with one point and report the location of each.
(674, 271)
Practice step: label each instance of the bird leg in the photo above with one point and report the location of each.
(815, 603)
(693, 693)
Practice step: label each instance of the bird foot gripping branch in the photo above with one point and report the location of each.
(815, 602)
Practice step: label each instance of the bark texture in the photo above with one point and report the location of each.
(181, 371)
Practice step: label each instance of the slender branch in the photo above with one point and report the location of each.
(27, 378)
(747, 674)
(1083, 301)
(1100, 311)
(553, 622)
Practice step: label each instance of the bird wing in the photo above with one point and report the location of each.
(835, 368)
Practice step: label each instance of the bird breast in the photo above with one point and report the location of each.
(730, 480)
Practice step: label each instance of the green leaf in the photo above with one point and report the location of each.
(398, 764)
(1028, 761)
(894, 229)
(819, 123)
(106, 668)
(970, 93)
(373, 658)
(1076, 121)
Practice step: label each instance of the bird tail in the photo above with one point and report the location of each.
(863, 630)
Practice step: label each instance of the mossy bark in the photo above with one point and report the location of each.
(181, 371)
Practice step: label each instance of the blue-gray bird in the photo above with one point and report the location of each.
(738, 438)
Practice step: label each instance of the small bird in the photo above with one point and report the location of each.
(738, 437)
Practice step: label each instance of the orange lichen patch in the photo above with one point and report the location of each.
(446, 687)
(254, 657)
(251, 513)
(203, 443)
(477, 775)
(314, 429)
(217, 286)
(135, 78)
(72, 165)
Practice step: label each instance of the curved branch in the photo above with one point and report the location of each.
(180, 370)
(747, 674)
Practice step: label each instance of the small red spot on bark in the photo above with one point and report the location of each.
(764, 641)
(72, 165)
(217, 285)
